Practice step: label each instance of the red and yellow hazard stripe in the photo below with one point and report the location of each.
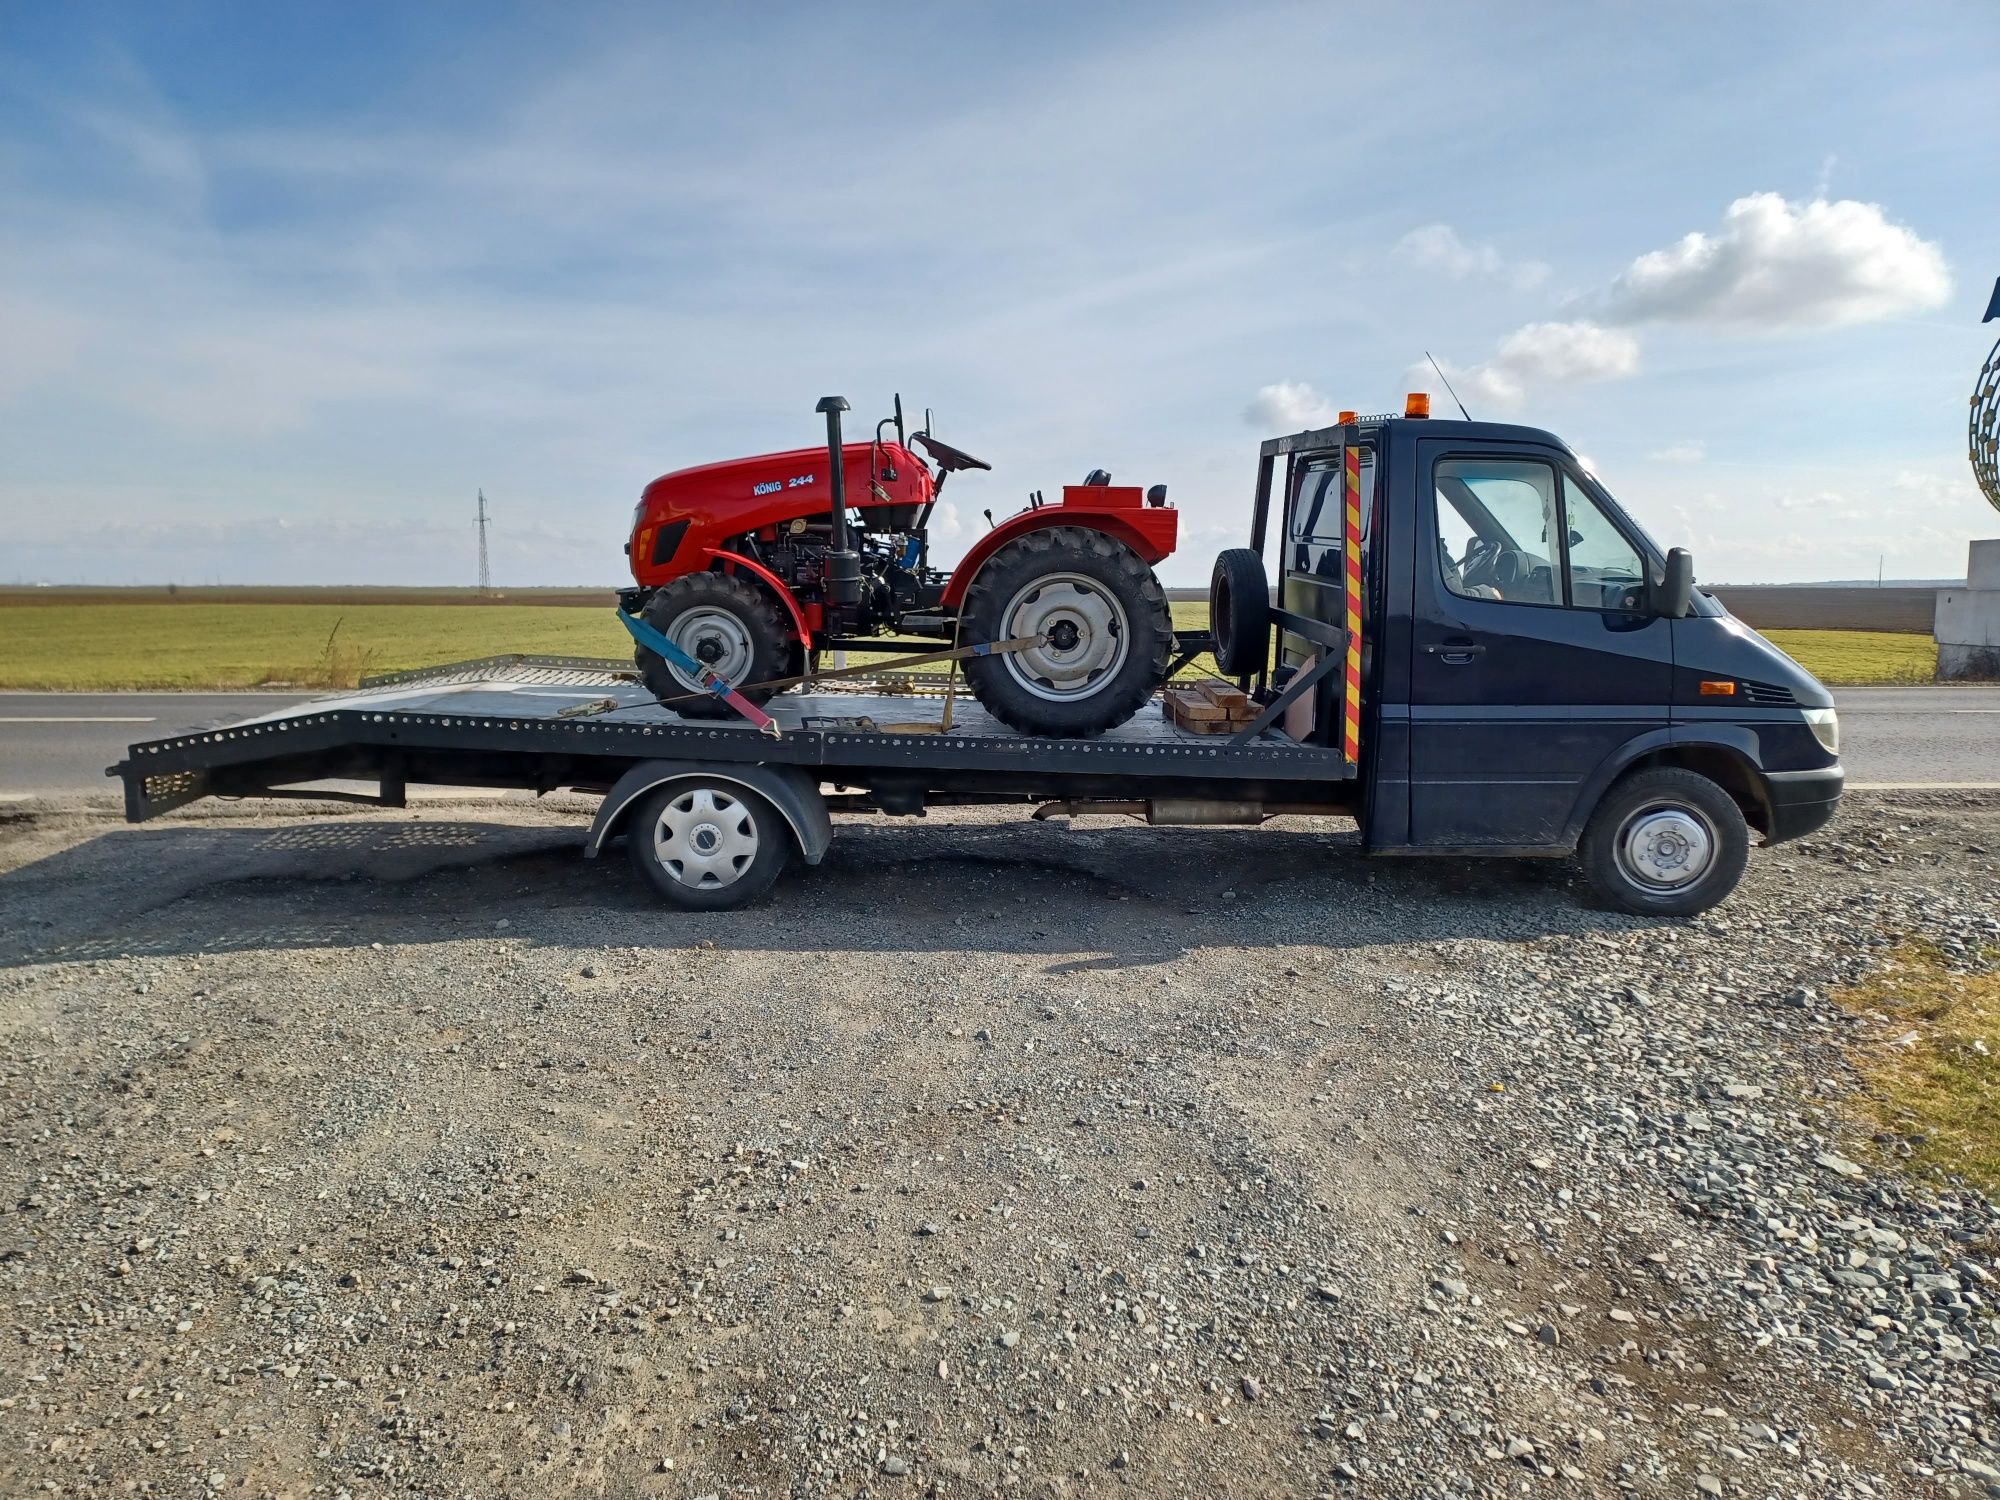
(1350, 729)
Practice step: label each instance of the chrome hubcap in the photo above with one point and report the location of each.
(705, 838)
(1664, 848)
(1083, 631)
(716, 639)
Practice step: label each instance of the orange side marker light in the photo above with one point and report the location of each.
(1718, 690)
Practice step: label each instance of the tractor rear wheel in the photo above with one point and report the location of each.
(732, 627)
(1107, 635)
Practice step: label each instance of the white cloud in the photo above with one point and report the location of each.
(1438, 247)
(1778, 265)
(1289, 406)
(1541, 354)
(1678, 453)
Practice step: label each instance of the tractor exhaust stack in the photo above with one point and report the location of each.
(843, 565)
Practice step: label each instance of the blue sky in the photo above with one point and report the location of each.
(281, 286)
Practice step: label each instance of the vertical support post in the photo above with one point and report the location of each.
(1260, 505)
(1350, 700)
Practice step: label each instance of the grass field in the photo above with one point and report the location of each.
(251, 645)
(141, 640)
(1931, 1055)
(1859, 656)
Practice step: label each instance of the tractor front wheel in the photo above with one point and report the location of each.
(730, 626)
(1102, 622)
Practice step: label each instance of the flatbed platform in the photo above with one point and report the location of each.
(552, 722)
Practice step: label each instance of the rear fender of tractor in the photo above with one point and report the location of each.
(730, 562)
(794, 794)
(1150, 532)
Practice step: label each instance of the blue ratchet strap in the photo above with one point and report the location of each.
(652, 640)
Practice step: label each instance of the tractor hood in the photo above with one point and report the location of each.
(685, 517)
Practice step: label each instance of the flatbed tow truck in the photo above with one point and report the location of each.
(1470, 649)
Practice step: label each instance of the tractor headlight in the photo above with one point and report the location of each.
(1825, 725)
(638, 515)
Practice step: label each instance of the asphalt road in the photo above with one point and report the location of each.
(1919, 735)
(61, 742)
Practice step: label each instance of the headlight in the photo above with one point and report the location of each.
(1825, 725)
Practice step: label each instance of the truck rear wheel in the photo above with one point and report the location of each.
(730, 626)
(1103, 615)
(707, 845)
(1665, 842)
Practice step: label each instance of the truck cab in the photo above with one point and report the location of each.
(1532, 681)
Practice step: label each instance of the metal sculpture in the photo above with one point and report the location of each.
(1982, 433)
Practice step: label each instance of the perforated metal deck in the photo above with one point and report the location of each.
(500, 721)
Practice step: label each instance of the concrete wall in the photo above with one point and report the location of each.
(1968, 619)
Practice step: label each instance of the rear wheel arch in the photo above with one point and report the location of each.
(795, 796)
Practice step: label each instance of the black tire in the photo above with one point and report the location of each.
(761, 644)
(1634, 870)
(1090, 575)
(674, 818)
(1239, 613)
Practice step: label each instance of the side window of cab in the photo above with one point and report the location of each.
(1522, 531)
(1499, 529)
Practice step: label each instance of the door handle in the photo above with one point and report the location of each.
(1455, 653)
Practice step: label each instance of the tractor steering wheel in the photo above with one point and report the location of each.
(946, 457)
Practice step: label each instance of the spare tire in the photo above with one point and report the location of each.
(1239, 613)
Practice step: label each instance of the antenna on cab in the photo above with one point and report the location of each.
(1447, 385)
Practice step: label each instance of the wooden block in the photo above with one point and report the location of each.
(1226, 695)
(1192, 712)
(1189, 706)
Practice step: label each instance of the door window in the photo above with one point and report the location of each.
(1605, 570)
(1498, 529)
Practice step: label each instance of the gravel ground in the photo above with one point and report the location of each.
(379, 1154)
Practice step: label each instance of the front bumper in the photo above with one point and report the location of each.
(1802, 801)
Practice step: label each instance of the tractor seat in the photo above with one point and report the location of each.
(951, 460)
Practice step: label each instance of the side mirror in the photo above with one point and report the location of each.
(1674, 596)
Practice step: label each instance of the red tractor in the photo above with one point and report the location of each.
(753, 567)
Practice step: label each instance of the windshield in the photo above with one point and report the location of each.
(1631, 524)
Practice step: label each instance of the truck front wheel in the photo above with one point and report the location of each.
(1665, 843)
